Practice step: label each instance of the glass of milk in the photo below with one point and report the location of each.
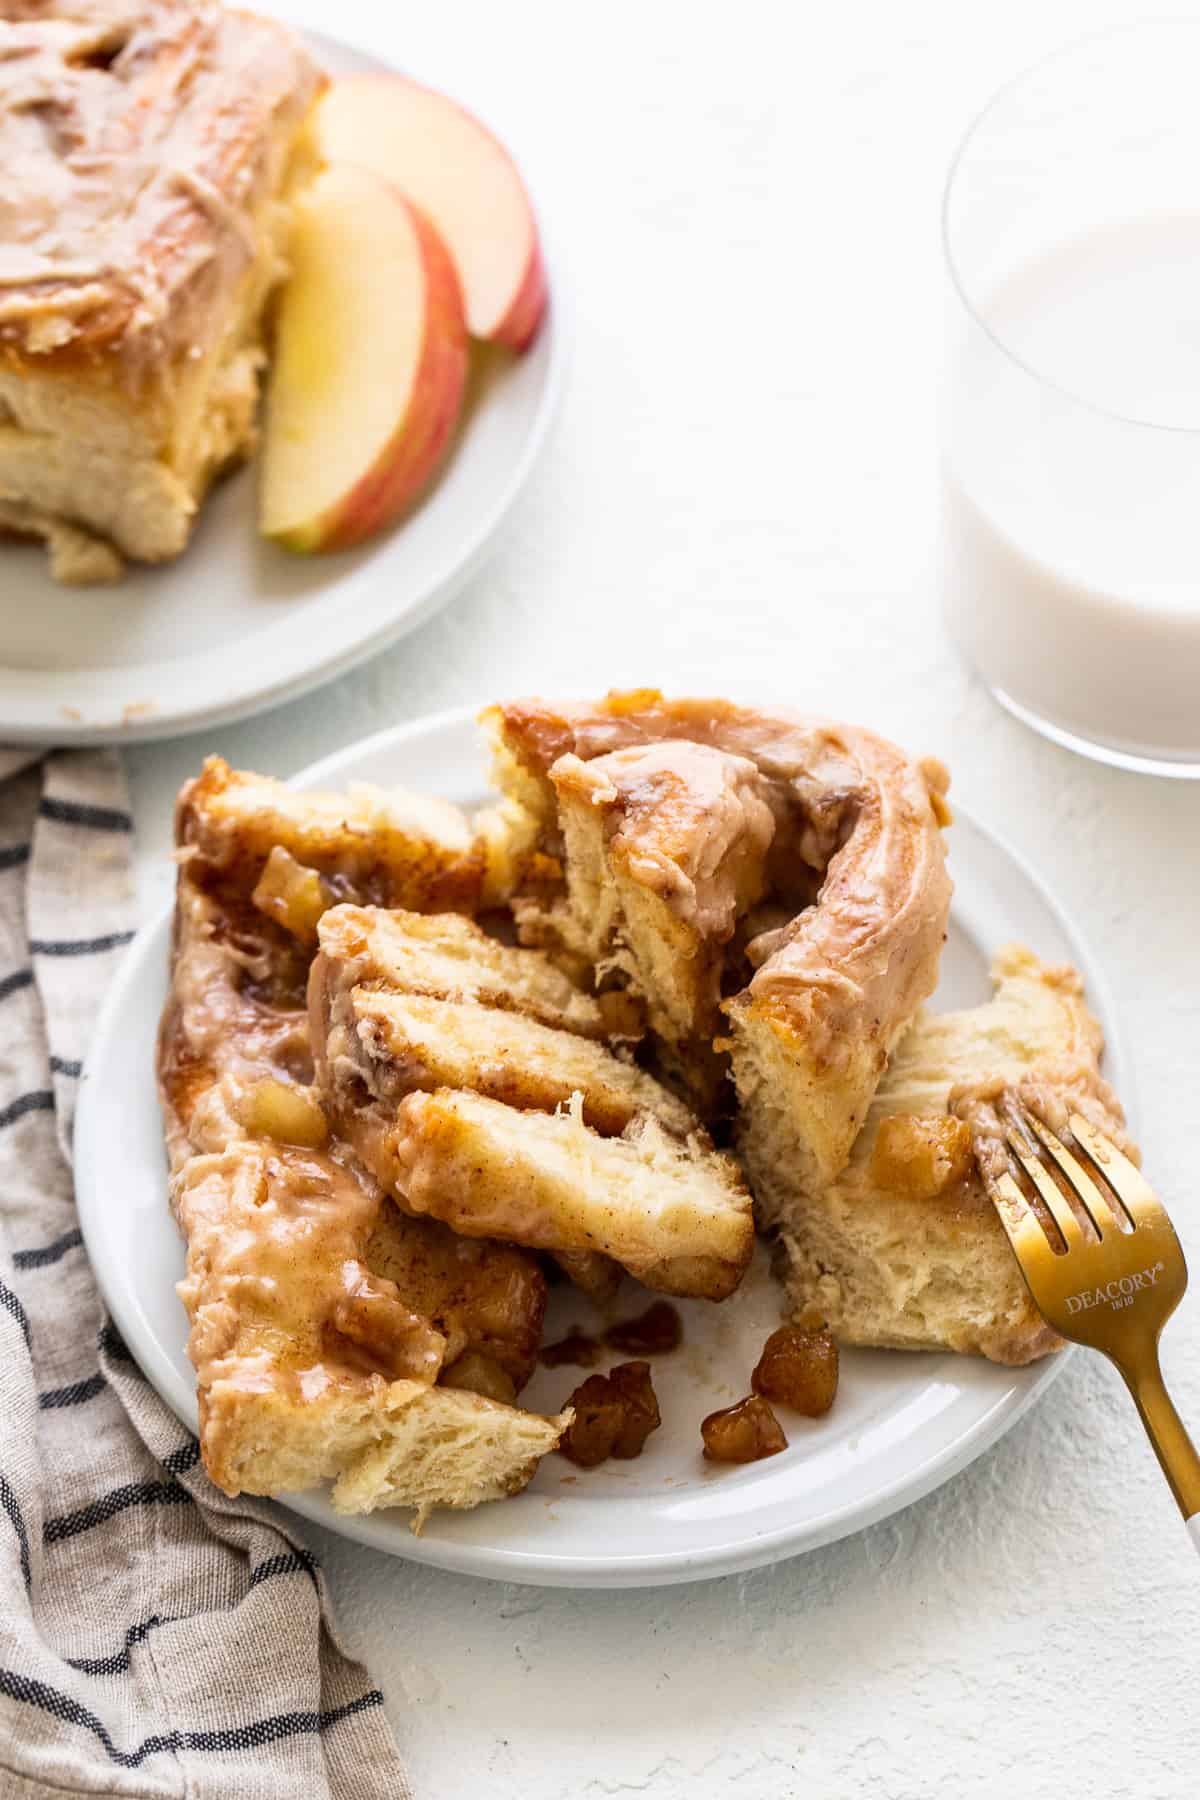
(1071, 418)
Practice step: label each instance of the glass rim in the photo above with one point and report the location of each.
(1138, 27)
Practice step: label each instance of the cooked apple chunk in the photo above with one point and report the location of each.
(285, 1111)
(295, 897)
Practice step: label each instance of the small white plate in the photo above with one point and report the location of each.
(236, 624)
(901, 1425)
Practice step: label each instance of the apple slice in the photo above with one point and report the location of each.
(370, 360)
(461, 177)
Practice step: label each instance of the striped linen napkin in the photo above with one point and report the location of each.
(156, 1637)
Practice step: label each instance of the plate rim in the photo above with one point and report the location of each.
(45, 722)
(748, 1550)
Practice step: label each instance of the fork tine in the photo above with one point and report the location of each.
(1129, 1184)
(1018, 1218)
(1058, 1207)
(1100, 1209)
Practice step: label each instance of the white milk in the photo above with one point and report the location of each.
(1072, 533)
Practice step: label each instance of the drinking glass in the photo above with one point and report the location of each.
(1071, 414)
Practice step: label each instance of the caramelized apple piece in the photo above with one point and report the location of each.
(589, 1438)
(639, 1407)
(742, 1433)
(295, 897)
(614, 1415)
(921, 1157)
(292, 1115)
(798, 1367)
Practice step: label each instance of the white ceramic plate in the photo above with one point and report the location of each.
(236, 624)
(901, 1425)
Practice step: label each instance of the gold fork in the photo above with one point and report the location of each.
(1116, 1276)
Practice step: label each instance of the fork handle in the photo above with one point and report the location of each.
(1167, 1432)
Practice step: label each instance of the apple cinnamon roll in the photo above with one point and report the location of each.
(771, 888)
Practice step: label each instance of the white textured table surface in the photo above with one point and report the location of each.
(740, 495)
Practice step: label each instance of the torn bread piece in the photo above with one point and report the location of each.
(675, 1214)
(312, 1367)
(450, 958)
(381, 844)
(903, 1249)
(333, 1336)
(442, 957)
(397, 1043)
(380, 1048)
(664, 850)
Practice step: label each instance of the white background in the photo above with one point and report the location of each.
(741, 495)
